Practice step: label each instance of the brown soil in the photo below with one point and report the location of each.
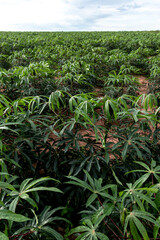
(62, 232)
(143, 88)
(2, 90)
(98, 92)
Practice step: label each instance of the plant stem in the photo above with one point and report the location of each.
(111, 219)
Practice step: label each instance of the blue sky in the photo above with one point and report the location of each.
(79, 15)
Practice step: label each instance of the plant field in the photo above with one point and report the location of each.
(80, 135)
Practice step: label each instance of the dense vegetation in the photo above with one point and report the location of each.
(79, 143)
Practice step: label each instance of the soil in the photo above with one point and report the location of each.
(143, 88)
(62, 232)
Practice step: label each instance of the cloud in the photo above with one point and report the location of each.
(74, 15)
(127, 7)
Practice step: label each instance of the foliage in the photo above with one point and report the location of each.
(70, 107)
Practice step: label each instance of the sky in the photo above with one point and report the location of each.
(79, 15)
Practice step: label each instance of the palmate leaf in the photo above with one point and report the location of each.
(86, 118)
(56, 99)
(133, 220)
(45, 216)
(155, 170)
(134, 193)
(111, 105)
(150, 101)
(27, 187)
(95, 185)
(50, 231)
(89, 231)
(136, 225)
(72, 103)
(147, 101)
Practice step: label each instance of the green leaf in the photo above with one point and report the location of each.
(7, 185)
(79, 182)
(90, 179)
(24, 184)
(147, 216)
(91, 199)
(9, 215)
(52, 189)
(156, 229)
(157, 199)
(102, 236)
(78, 230)
(29, 200)
(134, 231)
(126, 223)
(116, 178)
(142, 179)
(139, 154)
(52, 232)
(124, 152)
(3, 236)
(106, 156)
(147, 199)
(13, 204)
(1, 145)
(138, 201)
(141, 228)
(143, 165)
(108, 208)
(34, 182)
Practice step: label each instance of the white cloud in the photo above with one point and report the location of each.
(79, 15)
(36, 11)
